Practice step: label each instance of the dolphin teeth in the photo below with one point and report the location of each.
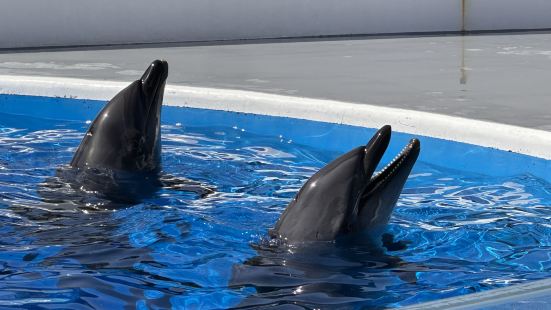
(400, 156)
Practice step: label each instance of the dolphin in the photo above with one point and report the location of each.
(346, 197)
(119, 158)
(126, 134)
(118, 163)
(329, 244)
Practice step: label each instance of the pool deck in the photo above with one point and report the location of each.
(499, 77)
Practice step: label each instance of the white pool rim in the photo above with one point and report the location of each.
(495, 298)
(522, 140)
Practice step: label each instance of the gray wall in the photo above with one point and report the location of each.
(31, 23)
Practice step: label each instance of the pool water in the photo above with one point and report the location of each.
(466, 231)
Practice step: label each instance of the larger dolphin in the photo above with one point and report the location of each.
(346, 197)
(329, 244)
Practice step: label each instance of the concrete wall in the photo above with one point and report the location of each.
(32, 23)
(507, 14)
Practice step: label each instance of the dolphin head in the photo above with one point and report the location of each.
(125, 136)
(346, 196)
(375, 203)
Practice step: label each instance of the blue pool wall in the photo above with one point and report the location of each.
(334, 137)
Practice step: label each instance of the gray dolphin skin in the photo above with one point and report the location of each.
(119, 158)
(126, 134)
(346, 197)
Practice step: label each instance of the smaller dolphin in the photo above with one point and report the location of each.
(119, 158)
(346, 197)
(126, 134)
(117, 163)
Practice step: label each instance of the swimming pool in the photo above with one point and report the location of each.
(475, 218)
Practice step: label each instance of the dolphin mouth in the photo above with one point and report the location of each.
(406, 154)
(378, 196)
(374, 151)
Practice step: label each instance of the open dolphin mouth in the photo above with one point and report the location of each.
(376, 200)
(374, 151)
(406, 155)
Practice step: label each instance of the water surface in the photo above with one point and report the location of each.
(466, 231)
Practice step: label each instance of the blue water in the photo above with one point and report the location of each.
(466, 230)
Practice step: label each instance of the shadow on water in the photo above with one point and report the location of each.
(344, 274)
(93, 251)
(86, 249)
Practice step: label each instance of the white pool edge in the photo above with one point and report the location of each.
(522, 140)
(491, 298)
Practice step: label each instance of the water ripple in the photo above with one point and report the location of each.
(465, 232)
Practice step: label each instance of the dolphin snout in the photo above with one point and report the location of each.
(155, 76)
